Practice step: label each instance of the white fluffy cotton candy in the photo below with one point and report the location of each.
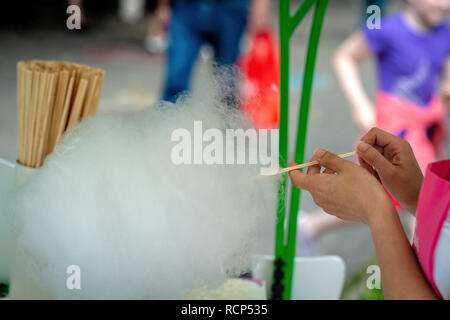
(111, 201)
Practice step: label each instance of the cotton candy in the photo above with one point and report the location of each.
(111, 201)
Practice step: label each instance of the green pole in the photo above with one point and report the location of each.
(285, 253)
(284, 125)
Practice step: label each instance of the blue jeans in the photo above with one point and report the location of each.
(218, 22)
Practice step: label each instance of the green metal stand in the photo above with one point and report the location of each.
(285, 252)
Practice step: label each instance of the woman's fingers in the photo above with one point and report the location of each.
(315, 169)
(299, 179)
(374, 158)
(387, 144)
(378, 137)
(333, 162)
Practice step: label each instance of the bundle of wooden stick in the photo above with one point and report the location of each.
(52, 97)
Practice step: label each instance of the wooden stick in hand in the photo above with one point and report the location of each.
(305, 165)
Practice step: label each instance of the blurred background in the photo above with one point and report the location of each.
(127, 39)
(111, 40)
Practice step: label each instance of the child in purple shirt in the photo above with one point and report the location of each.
(410, 62)
(412, 51)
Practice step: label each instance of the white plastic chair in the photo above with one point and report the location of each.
(315, 278)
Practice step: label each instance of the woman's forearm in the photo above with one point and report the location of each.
(401, 275)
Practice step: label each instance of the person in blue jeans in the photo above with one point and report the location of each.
(195, 22)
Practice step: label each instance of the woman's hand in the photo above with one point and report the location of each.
(391, 160)
(344, 189)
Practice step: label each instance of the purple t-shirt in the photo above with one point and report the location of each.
(410, 63)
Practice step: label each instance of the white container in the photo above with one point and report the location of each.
(22, 285)
(6, 195)
(315, 278)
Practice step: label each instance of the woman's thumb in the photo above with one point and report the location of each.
(374, 158)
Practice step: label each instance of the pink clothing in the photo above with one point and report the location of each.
(403, 118)
(432, 209)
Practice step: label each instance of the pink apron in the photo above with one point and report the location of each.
(433, 205)
(396, 115)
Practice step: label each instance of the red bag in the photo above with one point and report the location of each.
(261, 83)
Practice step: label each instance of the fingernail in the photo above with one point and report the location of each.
(362, 146)
(319, 153)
